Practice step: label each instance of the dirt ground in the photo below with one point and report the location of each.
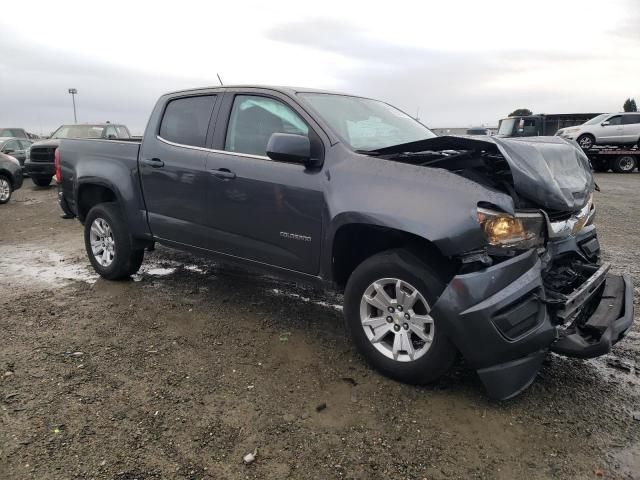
(189, 366)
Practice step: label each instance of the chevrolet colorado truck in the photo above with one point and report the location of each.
(443, 246)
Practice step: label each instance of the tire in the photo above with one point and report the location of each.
(104, 225)
(430, 359)
(41, 181)
(6, 189)
(586, 141)
(624, 164)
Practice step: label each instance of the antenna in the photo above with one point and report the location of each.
(219, 79)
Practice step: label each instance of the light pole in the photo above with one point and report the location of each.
(73, 93)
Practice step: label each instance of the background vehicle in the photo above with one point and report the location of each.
(40, 166)
(478, 131)
(606, 129)
(620, 159)
(10, 177)
(18, 148)
(441, 245)
(14, 132)
(540, 125)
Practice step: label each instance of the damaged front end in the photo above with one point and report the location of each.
(537, 284)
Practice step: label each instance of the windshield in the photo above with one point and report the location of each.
(506, 126)
(79, 131)
(366, 124)
(597, 119)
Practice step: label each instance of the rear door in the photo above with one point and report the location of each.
(257, 208)
(631, 124)
(173, 169)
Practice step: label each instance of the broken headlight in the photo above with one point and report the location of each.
(521, 231)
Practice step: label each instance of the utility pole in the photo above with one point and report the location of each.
(73, 93)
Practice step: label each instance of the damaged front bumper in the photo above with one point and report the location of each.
(504, 319)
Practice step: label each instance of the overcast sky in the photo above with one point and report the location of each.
(459, 63)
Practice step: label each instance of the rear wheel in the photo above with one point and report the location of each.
(586, 141)
(5, 189)
(388, 303)
(108, 243)
(624, 164)
(41, 181)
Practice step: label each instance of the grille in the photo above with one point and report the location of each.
(43, 154)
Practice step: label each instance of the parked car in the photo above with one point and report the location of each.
(10, 177)
(14, 132)
(478, 131)
(16, 147)
(40, 166)
(441, 245)
(605, 129)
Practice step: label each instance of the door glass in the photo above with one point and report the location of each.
(631, 119)
(111, 132)
(186, 120)
(122, 132)
(254, 119)
(615, 120)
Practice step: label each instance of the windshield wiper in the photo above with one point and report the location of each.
(372, 153)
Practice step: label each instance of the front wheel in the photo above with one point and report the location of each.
(5, 189)
(41, 181)
(586, 141)
(388, 303)
(624, 164)
(108, 243)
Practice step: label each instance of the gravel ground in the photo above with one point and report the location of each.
(188, 367)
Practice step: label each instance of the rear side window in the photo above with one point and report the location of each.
(254, 119)
(186, 120)
(631, 119)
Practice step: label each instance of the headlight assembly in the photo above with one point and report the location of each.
(521, 231)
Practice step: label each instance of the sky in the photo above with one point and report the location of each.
(452, 63)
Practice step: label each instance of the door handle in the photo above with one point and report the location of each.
(153, 162)
(223, 173)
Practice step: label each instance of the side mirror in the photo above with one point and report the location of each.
(605, 123)
(289, 147)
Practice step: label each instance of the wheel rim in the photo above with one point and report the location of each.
(103, 245)
(585, 142)
(5, 190)
(626, 163)
(395, 318)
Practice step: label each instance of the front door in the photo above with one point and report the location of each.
(259, 209)
(613, 131)
(173, 171)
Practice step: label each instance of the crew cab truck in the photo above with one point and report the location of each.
(442, 246)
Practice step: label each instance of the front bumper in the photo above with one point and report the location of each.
(39, 169)
(503, 323)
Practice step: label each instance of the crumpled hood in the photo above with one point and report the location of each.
(550, 171)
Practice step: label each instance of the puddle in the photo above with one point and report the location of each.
(34, 268)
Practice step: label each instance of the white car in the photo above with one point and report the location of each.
(605, 129)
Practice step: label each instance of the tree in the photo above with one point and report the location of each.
(520, 112)
(630, 105)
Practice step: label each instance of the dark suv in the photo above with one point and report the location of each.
(40, 166)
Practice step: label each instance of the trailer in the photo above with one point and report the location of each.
(620, 159)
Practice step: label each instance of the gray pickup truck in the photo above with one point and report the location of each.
(443, 246)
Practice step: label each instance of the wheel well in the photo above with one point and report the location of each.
(7, 174)
(90, 196)
(355, 243)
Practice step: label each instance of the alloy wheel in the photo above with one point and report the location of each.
(395, 318)
(102, 242)
(5, 189)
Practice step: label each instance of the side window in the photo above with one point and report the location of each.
(25, 144)
(615, 120)
(631, 119)
(111, 132)
(186, 120)
(11, 145)
(254, 119)
(122, 132)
